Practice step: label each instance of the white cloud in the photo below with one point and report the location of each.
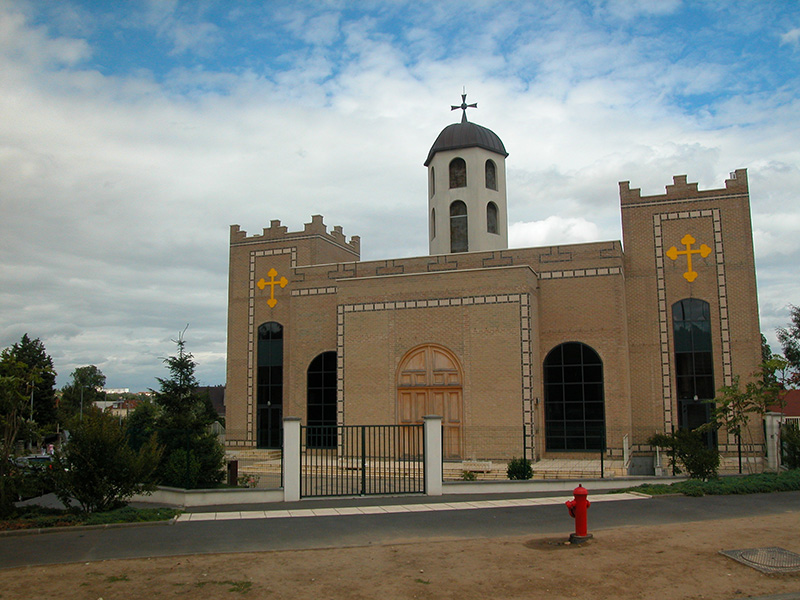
(791, 37)
(117, 190)
(553, 230)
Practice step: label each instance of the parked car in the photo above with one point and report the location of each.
(34, 462)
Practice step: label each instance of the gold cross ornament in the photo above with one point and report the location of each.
(687, 241)
(272, 283)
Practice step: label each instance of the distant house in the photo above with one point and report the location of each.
(217, 395)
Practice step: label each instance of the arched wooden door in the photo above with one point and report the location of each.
(429, 382)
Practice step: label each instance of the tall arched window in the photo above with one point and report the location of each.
(269, 401)
(458, 173)
(491, 175)
(491, 217)
(694, 363)
(321, 401)
(459, 240)
(433, 223)
(433, 182)
(574, 402)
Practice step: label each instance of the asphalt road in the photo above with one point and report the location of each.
(249, 535)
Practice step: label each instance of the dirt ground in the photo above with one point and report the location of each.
(663, 562)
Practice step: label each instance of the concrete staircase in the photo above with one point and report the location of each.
(565, 468)
(546, 468)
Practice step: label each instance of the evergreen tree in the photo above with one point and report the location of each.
(33, 354)
(193, 457)
(17, 379)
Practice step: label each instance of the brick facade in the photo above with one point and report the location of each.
(500, 313)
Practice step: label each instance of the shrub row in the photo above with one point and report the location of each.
(760, 483)
(37, 517)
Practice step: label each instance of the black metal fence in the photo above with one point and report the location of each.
(360, 460)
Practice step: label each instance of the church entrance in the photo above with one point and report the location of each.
(429, 382)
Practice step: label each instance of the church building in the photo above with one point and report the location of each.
(562, 351)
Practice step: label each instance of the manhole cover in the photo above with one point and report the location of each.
(766, 560)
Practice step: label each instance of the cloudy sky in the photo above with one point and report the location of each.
(133, 134)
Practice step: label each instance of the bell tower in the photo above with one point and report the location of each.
(467, 207)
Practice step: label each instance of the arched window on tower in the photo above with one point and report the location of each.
(458, 173)
(433, 183)
(491, 217)
(433, 223)
(459, 241)
(491, 175)
(694, 363)
(270, 385)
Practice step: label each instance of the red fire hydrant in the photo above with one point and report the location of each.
(577, 510)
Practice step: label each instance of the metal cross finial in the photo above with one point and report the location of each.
(464, 106)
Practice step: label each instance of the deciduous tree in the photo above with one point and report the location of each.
(84, 389)
(789, 337)
(99, 469)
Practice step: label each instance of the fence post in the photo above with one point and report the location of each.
(432, 454)
(291, 459)
(772, 429)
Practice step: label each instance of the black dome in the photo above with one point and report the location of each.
(466, 135)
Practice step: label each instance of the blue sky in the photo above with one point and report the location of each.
(135, 133)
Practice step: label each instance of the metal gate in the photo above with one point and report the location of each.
(361, 460)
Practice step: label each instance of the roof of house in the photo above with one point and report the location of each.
(791, 408)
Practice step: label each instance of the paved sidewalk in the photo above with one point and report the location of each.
(394, 508)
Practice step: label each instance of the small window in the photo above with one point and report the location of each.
(459, 241)
(433, 223)
(458, 173)
(491, 175)
(491, 217)
(433, 182)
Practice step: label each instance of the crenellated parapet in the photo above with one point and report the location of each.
(681, 189)
(280, 233)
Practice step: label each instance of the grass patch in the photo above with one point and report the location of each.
(115, 578)
(38, 517)
(760, 483)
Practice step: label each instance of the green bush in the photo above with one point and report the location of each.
(790, 441)
(688, 448)
(181, 469)
(519, 468)
(468, 476)
(39, 517)
(761, 483)
(99, 469)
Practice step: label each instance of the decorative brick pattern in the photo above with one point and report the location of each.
(314, 291)
(579, 273)
(525, 324)
(251, 331)
(663, 309)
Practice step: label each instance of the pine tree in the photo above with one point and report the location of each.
(33, 354)
(193, 456)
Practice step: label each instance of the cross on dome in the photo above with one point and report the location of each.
(464, 106)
